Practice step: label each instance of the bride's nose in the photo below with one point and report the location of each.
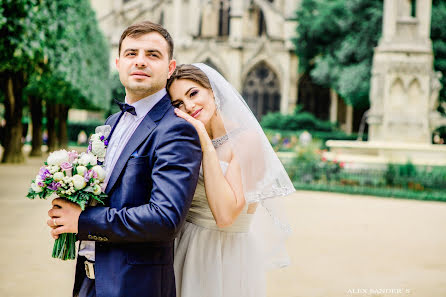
(190, 106)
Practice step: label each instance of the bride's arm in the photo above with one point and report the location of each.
(224, 193)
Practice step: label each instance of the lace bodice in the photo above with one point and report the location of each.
(200, 214)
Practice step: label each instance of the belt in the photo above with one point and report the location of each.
(89, 269)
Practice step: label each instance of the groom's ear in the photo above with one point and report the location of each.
(117, 63)
(172, 66)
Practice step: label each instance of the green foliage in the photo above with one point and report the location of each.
(439, 195)
(335, 41)
(59, 48)
(298, 120)
(438, 36)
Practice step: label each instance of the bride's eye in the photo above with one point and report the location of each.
(177, 104)
(193, 93)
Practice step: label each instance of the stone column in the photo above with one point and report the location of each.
(349, 120)
(423, 13)
(389, 19)
(236, 23)
(333, 106)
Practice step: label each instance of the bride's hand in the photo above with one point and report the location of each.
(198, 125)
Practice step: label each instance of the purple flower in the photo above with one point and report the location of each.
(72, 156)
(89, 148)
(54, 186)
(102, 137)
(44, 173)
(90, 174)
(40, 184)
(106, 142)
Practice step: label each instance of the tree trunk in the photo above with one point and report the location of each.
(62, 131)
(13, 84)
(35, 105)
(51, 117)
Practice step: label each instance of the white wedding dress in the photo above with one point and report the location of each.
(217, 262)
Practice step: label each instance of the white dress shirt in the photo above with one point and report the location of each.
(123, 131)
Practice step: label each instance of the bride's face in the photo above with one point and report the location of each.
(194, 99)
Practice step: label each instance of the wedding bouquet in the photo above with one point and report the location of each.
(75, 177)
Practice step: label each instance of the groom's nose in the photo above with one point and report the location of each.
(141, 61)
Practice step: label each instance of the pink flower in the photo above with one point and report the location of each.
(324, 159)
(342, 164)
(72, 156)
(67, 167)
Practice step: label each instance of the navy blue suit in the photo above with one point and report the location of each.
(150, 191)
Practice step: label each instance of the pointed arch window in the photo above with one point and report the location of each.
(224, 17)
(261, 90)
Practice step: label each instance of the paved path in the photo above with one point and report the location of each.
(341, 245)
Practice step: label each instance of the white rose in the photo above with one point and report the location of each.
(58, 157)
(96, 136)
(89, 158)
(36, 188)
(97, 190)
(100, 171)
(58, 176)
(81, 170)
(78, 182)
(98, 148)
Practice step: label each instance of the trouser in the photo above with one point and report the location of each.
(87, 288)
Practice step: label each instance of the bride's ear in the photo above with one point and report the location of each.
(172, 66)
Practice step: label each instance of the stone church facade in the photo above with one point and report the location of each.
(247, 41)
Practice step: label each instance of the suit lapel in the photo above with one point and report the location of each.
(141, 133)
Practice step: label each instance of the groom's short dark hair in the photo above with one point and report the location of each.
(146, 27)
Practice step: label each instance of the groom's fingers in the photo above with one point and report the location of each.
(59, 230)
(55, 212)
(58, 202)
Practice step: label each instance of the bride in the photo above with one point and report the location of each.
(227, 241)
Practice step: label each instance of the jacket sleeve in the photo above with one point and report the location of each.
(174, 177)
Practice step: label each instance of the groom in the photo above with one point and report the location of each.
(152, 163)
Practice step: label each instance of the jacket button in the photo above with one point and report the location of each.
(105, 238)
(95, 237)
(90, 237)
(100, 238)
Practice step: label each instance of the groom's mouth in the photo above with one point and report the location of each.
(196, 113)
(139, 74)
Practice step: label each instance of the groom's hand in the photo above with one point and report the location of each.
(64, 217)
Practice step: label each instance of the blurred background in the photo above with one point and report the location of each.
(349, 92)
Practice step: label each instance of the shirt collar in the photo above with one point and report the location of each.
(144, 105)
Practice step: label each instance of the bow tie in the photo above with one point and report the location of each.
(125, 107)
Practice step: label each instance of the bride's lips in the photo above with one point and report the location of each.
(139, 74)
(196, 113)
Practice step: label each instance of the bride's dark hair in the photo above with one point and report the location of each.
(190, 72)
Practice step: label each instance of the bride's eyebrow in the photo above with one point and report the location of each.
(188, 90)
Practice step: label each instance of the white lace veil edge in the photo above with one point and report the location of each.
(263, 175)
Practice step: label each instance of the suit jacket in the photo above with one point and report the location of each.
(149, 192)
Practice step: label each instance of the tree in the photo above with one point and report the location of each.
(21, 53)
(438, 36)
(335, 41)
(54, 51)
